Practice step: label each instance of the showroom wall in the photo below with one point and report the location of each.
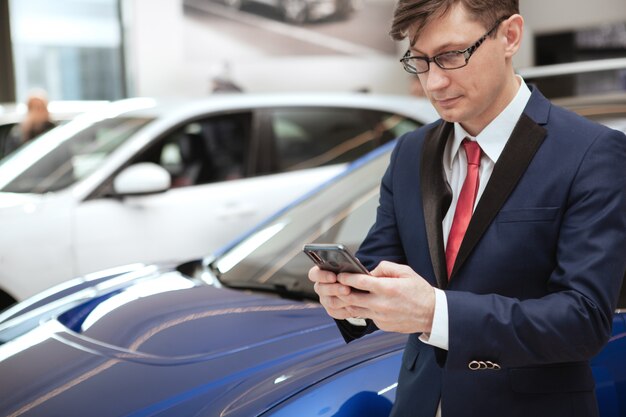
(70, 48)
(551, 16)
(176, 50)
(170, 53)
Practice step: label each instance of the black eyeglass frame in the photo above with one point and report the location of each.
(466, 53)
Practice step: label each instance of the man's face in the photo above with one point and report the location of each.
(475, 94)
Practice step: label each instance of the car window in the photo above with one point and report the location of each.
(13, 129)
(65, 154)
(204, 151)
(278, 262)
(311, 137)
(5, 131)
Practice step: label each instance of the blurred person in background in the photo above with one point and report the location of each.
(222, 80)
(224, 85)
(36, 122)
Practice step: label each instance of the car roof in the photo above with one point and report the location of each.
(417, 108)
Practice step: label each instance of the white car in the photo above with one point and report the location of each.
(145, 181)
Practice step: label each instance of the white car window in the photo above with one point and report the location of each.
(61, 161)
(310, 137)
(204, 151)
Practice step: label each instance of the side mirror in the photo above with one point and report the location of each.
(142, 178)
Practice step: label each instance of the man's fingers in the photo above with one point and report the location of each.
(335, 306)
(354, 311)
(331, 290)
(318, 275)
(357, 281)
(392, 270)
(333, 303)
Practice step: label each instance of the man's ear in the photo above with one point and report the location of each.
(513, 29)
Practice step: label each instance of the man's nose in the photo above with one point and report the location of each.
(436, 78)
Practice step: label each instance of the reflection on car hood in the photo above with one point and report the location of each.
(179, 346)
(170, 321)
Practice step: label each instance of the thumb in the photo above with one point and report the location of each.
(392, 270)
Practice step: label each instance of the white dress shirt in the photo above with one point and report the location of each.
(492, 140)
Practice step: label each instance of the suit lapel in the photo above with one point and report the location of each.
(436, 196)
(513, 162)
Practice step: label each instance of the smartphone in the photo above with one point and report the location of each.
(337, 258)
(334, 257)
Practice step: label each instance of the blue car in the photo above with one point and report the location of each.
(237, 334)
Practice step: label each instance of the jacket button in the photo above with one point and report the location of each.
(480, 365)
(492, 365)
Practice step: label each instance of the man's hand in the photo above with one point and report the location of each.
(397, 299)
(329, 290)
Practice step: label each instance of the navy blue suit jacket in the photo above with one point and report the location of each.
(537, 276)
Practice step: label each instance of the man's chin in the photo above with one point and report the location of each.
(448, 116)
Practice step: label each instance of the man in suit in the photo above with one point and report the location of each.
(500, 233)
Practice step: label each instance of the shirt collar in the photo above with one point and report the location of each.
(495, 135)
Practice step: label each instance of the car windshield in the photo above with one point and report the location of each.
(271, 257)
(65, 154)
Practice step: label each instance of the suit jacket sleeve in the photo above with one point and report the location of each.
(382, 242)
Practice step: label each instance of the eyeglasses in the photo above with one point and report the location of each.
(447, 60)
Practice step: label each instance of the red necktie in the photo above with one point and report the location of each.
(465, 204)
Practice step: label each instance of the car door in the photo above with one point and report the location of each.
(216, 195)
(193, 217)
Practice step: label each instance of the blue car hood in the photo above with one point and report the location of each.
(167, 345)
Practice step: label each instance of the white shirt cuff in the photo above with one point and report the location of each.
(438, 335)
(356, 321)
